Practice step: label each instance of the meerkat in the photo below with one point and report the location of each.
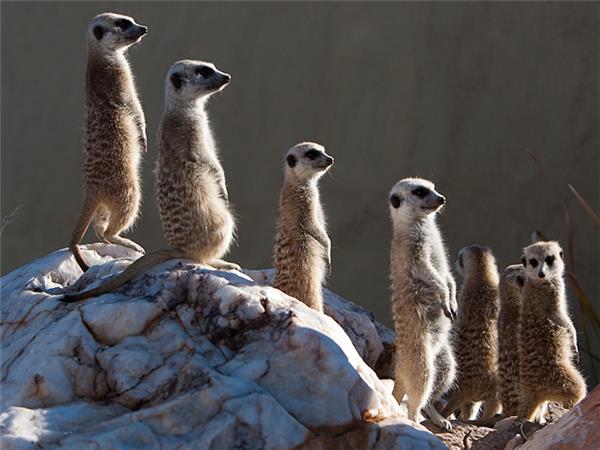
(302, 255)
(546, 344)
(422, 299)
(510, 293)
(115, 134)
(190, 181)
(475, 334)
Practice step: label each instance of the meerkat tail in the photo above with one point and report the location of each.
(88, 209)
(138, 266)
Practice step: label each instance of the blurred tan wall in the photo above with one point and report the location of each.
(451, 92)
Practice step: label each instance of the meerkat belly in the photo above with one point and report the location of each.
(299, 263)
(193, 215)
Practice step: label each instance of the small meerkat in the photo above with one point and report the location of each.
(510, 293)
(548, 337)
(115, 134)
(422, 302)
(302, 255)
(190, 181)
(475, 334)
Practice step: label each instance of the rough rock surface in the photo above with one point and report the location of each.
(188, 357)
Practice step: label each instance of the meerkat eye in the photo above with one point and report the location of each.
(550, 260)
(312, 154)
(123, 23)
(420, 192)
(395, 201)
(533, 262)
(204, 71)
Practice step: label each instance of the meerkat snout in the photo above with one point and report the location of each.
(115, 31)
(308, 160)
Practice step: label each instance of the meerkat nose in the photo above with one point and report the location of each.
(329, 160)
(541, 274)
(442, 199)
(143, 29)
(226, 77)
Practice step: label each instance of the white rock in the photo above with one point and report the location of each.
(188, 357)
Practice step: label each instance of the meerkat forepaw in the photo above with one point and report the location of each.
(449, 313)
(143, 144)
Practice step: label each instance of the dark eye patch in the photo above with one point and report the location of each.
(550, 260)
(520, 280)
(204, 71)
(98, 31)
(420, 192)
(123, 23)
(312, 154)
(176, 80)
(291, 160)
(533, 262)
(395, 201)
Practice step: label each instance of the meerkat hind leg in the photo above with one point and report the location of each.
(459, 400)
(101, 220)
(436, 417)
(224, 265)
(490, 408)
(118, 221)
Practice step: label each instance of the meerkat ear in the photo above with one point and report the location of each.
(176, 80)
(520, 281)
(395, 201)
(98, 31)
(291, 160)
(524, 261)
(561, 255)
(460, 260)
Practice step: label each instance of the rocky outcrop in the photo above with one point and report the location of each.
(189, 357)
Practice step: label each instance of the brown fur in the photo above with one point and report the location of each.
(114, 140)
(547, 335)
(510, 291)
(475, 334)
(421, 293)
(190, 183)
(302, 247)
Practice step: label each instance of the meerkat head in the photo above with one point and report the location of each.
(112, 32)
(543, 261)
(189, 80)
(307, 161)
(412, 199)
(513, 275)
(474, 259)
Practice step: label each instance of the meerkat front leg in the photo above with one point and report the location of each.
(140, 124)
(322, 238)
(453, 303)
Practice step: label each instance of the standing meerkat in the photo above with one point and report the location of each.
(302, 247)
(422, 299)
(115, 134)
(190, 181)
(548, 337)
(475, 334)
(510, 292)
